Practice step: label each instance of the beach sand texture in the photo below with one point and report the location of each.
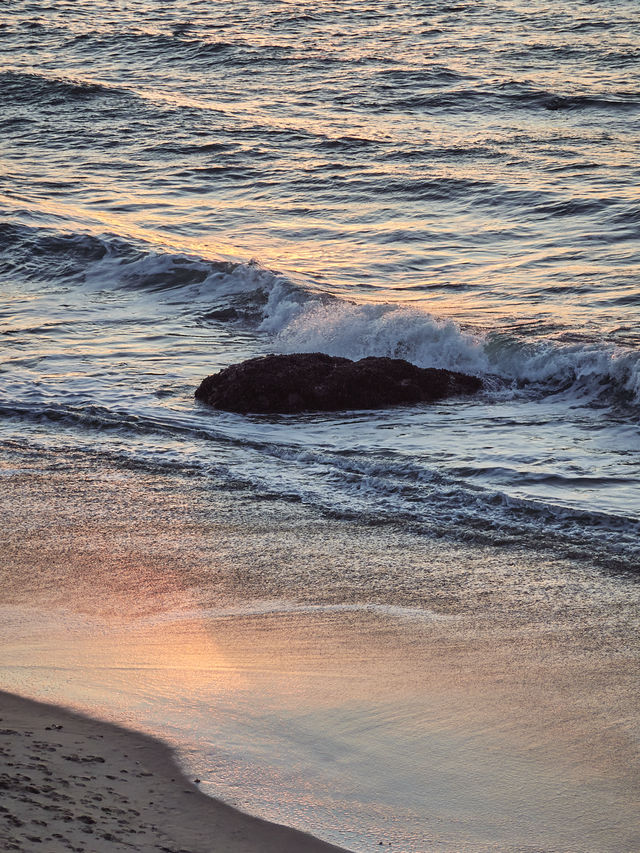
(71, 783)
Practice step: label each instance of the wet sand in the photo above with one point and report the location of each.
(70, 783)
(490, 706)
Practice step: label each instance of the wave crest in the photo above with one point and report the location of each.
(353, 330)
(300, 319)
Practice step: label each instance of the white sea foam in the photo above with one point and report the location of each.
(353, 330)
(283, 608)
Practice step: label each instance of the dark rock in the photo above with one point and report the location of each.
(318, 382)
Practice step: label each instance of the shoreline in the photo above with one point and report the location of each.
(507, 720)
(68, 780)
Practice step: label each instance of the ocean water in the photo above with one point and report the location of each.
(186, 185)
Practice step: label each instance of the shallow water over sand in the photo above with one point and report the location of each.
(358, 730)
(475, 718)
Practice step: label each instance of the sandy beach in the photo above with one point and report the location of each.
(72, 783)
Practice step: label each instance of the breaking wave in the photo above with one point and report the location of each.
(296, 316)
(357, 330)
